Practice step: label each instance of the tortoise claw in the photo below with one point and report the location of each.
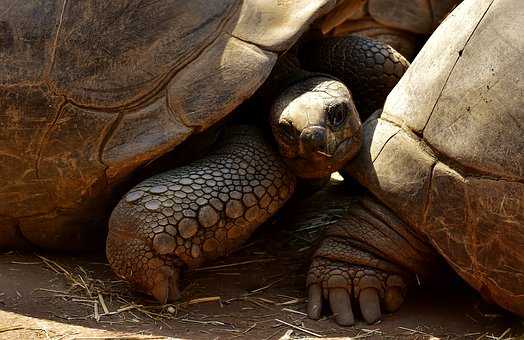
(341, 281)
(370, 305)
(340, 303)
(314, 306)
(165, 285)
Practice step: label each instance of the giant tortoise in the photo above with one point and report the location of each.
(91, 91)
(444, 163)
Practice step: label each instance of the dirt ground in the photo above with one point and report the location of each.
(257, 293)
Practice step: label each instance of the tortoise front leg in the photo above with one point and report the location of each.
(369, 256)
(183, 217)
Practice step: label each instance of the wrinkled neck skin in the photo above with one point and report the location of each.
(316, 126)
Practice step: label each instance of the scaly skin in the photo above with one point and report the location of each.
(196, 213)
(368, 67)
(351, 264)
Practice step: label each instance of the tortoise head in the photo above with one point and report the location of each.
(316, 126)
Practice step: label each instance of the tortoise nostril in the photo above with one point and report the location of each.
(314, 139)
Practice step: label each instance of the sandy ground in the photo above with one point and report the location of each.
(257, 293)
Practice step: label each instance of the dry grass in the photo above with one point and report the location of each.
(87, 291)
(105, 300)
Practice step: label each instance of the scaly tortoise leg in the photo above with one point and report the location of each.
(195, 213)
(369, 256)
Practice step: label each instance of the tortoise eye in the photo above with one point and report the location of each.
(337, 115)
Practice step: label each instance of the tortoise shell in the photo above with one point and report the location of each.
(91, 90)
(447, 152)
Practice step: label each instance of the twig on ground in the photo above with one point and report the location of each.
(258, 290)
(500, 337)
(367, 333)
(299, 328)
(292, 302)
(95, 307)
(203, 300)
(103, 303)
(415, 331)
(250, 328)
(229, 265)
(287, 335)
(293, 311)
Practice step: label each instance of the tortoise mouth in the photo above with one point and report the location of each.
(320, 164)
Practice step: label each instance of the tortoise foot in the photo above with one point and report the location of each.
(343, 285)
(365, 262)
